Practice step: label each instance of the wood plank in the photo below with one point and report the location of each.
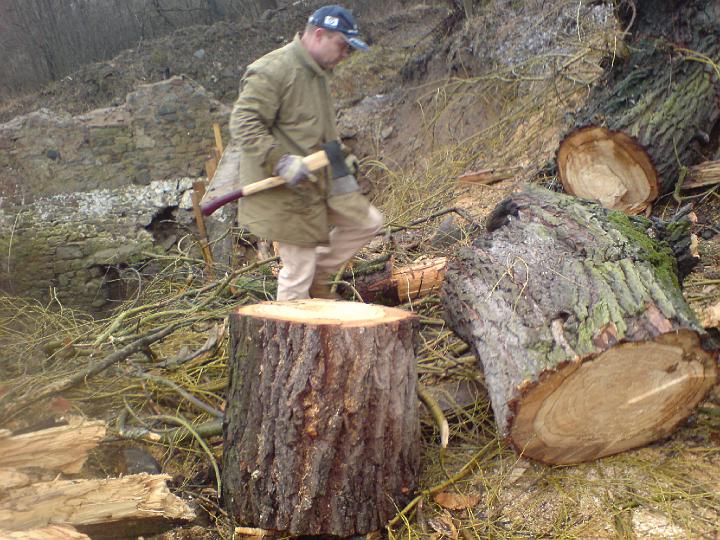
(136, 504)
(51, 532)
(225, 179)
(61, 448)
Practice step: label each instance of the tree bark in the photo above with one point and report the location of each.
(321, 426)
(664, 96)
(587, 344)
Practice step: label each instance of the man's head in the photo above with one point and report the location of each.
(331, 35)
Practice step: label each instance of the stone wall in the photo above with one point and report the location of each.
(84, 199)
(73, 247)
(163, 130)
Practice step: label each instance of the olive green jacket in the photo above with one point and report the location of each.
(285, 107)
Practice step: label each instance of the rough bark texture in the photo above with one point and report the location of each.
(665, 94)
(321, 426)
(559, 286)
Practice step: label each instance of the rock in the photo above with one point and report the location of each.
(135, 460)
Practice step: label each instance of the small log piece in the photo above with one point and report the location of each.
(703, 174)
(393, 285)
(576, 314)
(138, 504)
(321, 425)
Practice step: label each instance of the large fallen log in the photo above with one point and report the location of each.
(654, 112)
(587, 344)
(138, 504)
(321, 426)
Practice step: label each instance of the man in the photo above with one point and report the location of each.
(283, 113)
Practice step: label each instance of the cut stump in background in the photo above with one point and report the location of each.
(609, 167)
(393, 285)
(587, 345)
(664, 96)
(321, 426)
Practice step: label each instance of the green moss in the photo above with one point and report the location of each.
(605, 311)
(655, 252)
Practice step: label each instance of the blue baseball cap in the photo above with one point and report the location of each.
(339, 19)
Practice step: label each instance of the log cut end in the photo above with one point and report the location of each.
(332, 312)
(626, 397)
(607, 166)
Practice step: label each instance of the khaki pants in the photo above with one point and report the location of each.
(300, 264)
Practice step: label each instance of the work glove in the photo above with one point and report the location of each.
(292, 169)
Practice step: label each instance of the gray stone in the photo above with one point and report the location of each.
(68, 252)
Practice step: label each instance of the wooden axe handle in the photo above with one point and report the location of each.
(315, 161)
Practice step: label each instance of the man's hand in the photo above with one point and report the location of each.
(292, 169)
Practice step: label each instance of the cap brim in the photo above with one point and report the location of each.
(356, 43)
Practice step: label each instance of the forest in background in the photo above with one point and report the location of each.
(44, 40)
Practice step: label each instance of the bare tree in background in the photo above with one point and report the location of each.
(43, 40)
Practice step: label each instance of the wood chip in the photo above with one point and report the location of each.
(456, 501)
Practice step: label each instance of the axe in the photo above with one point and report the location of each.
(315, 161)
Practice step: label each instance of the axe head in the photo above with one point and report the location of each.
(335, 156)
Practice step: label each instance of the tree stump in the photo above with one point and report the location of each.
(321, 427)
(587, 344)
(660, 106)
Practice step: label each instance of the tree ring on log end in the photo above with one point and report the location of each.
(607, 166)
(334, 312)
(626, 397)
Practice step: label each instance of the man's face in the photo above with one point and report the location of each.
(331, 48)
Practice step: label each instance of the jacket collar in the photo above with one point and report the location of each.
(302, 53)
